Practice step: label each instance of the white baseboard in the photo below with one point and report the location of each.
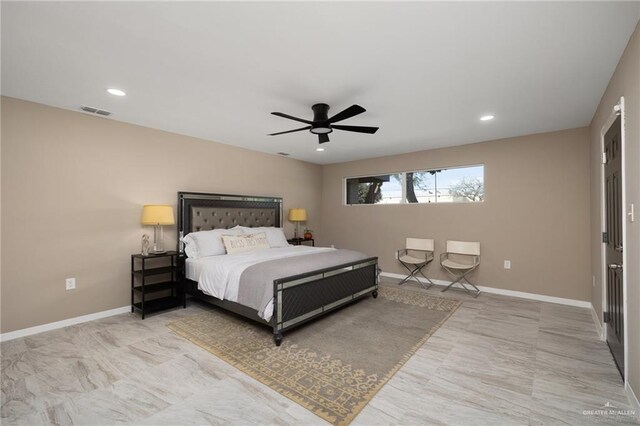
(596, 321)
(633, 399)
(64, 323)
(90, 317)
(512, 293)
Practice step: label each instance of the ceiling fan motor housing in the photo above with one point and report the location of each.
(320, 119)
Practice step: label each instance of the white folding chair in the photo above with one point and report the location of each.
(417, 254)
(460, 259)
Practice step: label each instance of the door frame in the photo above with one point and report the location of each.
(617, 109)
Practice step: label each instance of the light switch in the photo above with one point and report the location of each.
(631, 213)
(507, 264)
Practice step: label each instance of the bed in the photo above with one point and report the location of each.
(302, 283)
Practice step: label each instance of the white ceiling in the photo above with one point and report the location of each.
(425, 72)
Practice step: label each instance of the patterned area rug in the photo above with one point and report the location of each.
(332, 366)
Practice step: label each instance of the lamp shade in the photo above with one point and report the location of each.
(297, 215)
(157, 215)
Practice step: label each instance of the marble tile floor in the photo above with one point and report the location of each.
(497, 360)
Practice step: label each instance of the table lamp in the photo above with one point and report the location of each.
(297, 216)
(157, 216)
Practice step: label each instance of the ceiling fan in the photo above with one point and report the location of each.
(322, 125)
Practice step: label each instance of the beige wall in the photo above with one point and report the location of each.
(536, 212)
(73, 187)
(625, 82)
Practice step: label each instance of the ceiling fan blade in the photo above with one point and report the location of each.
(290, 131)
(347, 113)
(323, 137)
(359, 129)
(290, 117)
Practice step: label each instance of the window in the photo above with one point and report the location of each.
(382, 189)
(452, 185)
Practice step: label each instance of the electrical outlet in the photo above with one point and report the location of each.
(507, 264)
(396, 254)
(70, 283)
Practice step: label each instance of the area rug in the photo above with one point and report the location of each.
(332, 366)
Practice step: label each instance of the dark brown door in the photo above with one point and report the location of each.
(614, 315)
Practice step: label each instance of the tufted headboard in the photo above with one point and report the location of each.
(202, 212)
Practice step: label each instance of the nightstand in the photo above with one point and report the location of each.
(299, 241)
(155, 273)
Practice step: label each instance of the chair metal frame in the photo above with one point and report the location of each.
(460, 274)
(417, 267)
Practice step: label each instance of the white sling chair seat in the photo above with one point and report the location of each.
(452, 264)
(459, 269)
(414, 260)
(417, 254)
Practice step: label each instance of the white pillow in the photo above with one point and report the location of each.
(244, 243)
(190, 246)
(275, 236)
(207, 243)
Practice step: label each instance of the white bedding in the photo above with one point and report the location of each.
(219, 276)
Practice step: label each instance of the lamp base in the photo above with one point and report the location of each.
(158, 240)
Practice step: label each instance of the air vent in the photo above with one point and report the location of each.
(97, 111)
(89, 109)
(284, 154)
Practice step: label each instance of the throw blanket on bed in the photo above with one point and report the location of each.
(256, 282)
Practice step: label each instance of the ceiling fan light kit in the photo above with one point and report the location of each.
(322, 125)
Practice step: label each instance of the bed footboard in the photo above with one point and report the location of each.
(300, 298)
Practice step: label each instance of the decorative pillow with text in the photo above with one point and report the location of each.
(242, 243)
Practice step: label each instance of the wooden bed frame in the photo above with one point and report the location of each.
(297, 299)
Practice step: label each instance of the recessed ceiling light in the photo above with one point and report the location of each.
(116, 92)
(320, 149)
(487, 117)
